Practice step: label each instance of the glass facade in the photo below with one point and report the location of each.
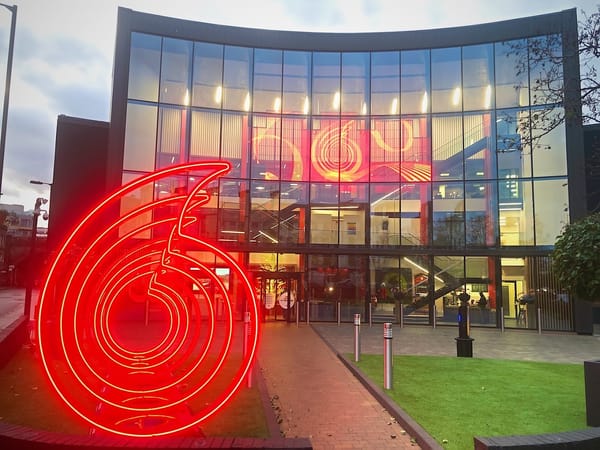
(381, 182)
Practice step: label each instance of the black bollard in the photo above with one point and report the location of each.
(464, 343)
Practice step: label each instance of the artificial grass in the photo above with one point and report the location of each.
(27, 399)
(455, 399)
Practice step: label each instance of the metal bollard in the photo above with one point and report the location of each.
(401, 315)
(308, 312)
(539, 320)
(370, 315)
(297, 314)
(356, 337)
(387, 356)
(339, 313)
(502, 319)
(246, 337)
(434, 317)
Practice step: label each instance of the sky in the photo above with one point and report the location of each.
(63, 55)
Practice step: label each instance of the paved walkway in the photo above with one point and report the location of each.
(315, 395)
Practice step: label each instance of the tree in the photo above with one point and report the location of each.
(576, 258)
(542, 58)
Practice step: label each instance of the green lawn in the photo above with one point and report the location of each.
(455, 399)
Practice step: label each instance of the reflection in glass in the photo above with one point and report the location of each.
(481, 206)
(172, 136)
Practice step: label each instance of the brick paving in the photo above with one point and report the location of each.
(315, 396)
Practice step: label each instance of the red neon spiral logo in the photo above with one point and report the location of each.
(139, 318)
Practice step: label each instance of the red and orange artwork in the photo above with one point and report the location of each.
(139, 321)
(345, 151)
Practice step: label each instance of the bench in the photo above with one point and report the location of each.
(587, 439)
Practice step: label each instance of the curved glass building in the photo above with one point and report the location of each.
(373, 173)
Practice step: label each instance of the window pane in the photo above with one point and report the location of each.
(140, 137)
(296, 82)
(385, 83)
(512, 86)
(353, 204)
(235, 145)
(481, 211)
(237, 72)
(549, 142)
(324, 218)
(545, 70)
(144, 67)
(478, 77)
(551, 209)
(385, 149)
(354, 150)
(264, 212)
(208, 68)
(326, 83)
(446, 92)
(294, 203)
(266, 147)
(325, 150)
(415, 83)
(479, 154)
(514, 157)
(232, 209)
(385, 214)
(448, 215)
(175, 73)
(172, 139)
(295, 149)
(267, 80)
(414, 217)
(516, 212)
(447, 143)
(416, 149)
(206, 133)
(355, 83)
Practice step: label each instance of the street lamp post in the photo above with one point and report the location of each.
(30, 278)
(13, 10)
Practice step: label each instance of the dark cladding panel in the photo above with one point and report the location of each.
(79, 173)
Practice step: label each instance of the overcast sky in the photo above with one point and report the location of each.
(64, 49)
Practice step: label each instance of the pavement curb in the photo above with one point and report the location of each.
(424, 439)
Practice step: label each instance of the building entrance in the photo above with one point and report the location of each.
(279, 295)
